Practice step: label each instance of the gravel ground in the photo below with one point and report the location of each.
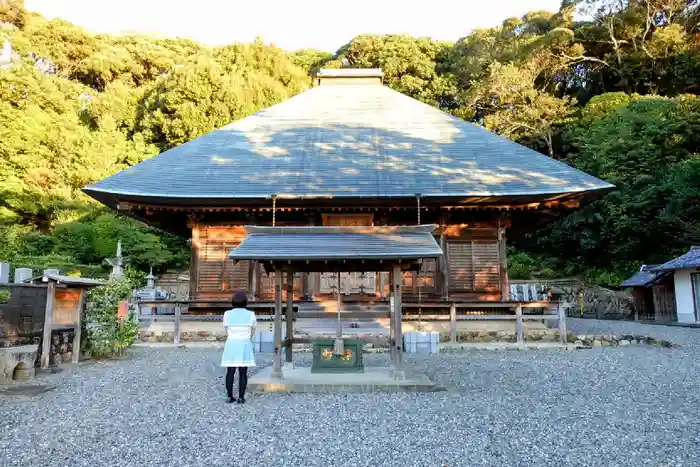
(623, 406)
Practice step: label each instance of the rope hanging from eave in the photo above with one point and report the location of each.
(274, 209)
(418, 203)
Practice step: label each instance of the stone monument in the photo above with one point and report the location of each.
(117, 264)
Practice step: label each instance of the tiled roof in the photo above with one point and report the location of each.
(336, 243)
(68, 280)
(690, 260)
(645, 277)
(347, 141)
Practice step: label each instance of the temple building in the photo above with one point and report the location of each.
(350, 152)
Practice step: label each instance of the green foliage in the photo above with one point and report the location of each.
(523, 265)
(13, 12)
(77, 107)
(613, 94)
(311, 60)
(4, 295)
(106, 335)
(648, 148)
(410, 65)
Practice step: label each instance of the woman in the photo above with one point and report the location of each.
(238, 351)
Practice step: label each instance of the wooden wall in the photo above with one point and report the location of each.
(215, 276)
(474, 266)
(65, 303)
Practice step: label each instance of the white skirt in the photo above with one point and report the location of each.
(238, 352)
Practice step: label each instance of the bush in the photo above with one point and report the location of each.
(4, 296)
(107, 335)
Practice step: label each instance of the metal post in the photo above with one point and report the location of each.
(48, 326)
(277, 362)
(290, 315)
(398, 339)
(176, 331)
(562, 324)
(339, 345)
(519, 324)
(453, 323)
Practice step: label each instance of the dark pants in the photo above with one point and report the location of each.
(242, 380)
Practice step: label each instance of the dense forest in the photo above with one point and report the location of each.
(608, 86)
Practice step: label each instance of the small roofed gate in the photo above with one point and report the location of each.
(217, 276)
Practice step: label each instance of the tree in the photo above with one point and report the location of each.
(410, 65)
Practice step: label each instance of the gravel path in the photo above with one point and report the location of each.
(624, 406)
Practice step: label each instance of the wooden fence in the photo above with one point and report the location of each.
(457, 312)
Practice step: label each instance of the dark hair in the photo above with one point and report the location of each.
(240, 299)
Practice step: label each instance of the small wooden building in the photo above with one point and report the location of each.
(653, 294)
(64, 305)
(350, 152)
(685, 272)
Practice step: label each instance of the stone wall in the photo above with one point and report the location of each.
(597, 302)
(61, 347)
(375, 340)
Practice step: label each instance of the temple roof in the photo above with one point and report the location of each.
(345, 141)
(646, 276)
(690, 260)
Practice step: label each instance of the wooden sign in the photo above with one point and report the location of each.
(123, 310)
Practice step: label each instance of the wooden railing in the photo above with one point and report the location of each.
(458, 311)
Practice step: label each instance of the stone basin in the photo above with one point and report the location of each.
(324, 361)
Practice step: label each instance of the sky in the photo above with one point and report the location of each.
(290, 24)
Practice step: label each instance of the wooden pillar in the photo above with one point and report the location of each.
(392, 311)
(194, 261)
(453, 323)
(289, 318)
(398, 334)
(78, 320)
(48, 326)
(305, 287)
(254, 280)
(380, 284)
(176, 331)
(519, 334)
(444, 265)
(503, 264)
(277, 362)
(562, 324)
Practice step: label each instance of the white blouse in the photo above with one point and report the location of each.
(239, 323)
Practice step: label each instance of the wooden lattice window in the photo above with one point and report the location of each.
(473, 266)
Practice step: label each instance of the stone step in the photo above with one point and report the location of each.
(332, 307)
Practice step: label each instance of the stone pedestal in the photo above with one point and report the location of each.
(17, 363)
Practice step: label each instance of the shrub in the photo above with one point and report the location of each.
(4, 296)
(107, 335)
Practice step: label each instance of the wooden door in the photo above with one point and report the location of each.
(350, 282)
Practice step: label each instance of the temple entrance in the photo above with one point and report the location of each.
(350, 283)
